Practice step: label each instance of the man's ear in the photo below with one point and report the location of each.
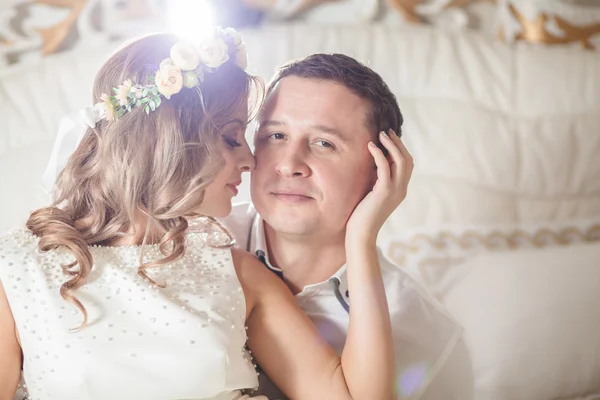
(373, 177)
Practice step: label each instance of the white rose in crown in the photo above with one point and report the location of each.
(185, 56)
(235, 37)
(241, 54)
(169, 79)
(213, 52)
(190, 79)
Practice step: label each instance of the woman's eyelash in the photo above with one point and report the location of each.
(231, 142)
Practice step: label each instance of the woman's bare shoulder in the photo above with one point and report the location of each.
(250, 270)
(257, 281)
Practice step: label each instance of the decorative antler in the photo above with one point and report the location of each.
(463, 3)
(408, 9)
(54, 36)
(536, 31)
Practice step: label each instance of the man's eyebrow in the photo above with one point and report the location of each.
(318, 127)
(329, 130)
(271, 123)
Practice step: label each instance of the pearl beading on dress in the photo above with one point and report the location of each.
(202, 292)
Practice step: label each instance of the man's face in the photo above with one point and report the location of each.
(312, 162)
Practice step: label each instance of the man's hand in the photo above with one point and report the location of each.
(393, 176)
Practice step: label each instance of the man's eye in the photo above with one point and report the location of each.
(324, 143)
(276, 136)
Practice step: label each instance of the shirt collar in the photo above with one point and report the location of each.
(258, 246)
(258, 241)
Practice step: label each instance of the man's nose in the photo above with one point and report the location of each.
(293, 162)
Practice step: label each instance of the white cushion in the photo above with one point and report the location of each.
(456, 242)
(33, 99)
(531, 319)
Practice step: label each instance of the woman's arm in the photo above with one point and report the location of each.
(10, 351)
(285, 342)
(369, 315)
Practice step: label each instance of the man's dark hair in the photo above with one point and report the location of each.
(357, 77)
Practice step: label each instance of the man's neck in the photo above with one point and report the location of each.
(305, 260)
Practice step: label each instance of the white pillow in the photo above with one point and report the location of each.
(453, 243)
(531, 319)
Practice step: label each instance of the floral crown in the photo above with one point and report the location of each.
(185, 68)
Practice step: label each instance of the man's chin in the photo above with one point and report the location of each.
(290, 224)
(293, 231)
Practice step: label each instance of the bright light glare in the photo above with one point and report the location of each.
(191, 19)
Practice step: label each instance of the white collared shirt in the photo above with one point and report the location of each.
(431, 360)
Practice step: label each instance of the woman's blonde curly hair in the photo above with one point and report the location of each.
(156, 164)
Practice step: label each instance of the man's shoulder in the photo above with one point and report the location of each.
(240, 221)
(392, 274)
(401, 285)
(426, 328)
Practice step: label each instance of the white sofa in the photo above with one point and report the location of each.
(502, 221)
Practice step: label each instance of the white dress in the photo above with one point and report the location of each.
(186, 341)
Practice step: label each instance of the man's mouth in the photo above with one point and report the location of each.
(290, 196)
